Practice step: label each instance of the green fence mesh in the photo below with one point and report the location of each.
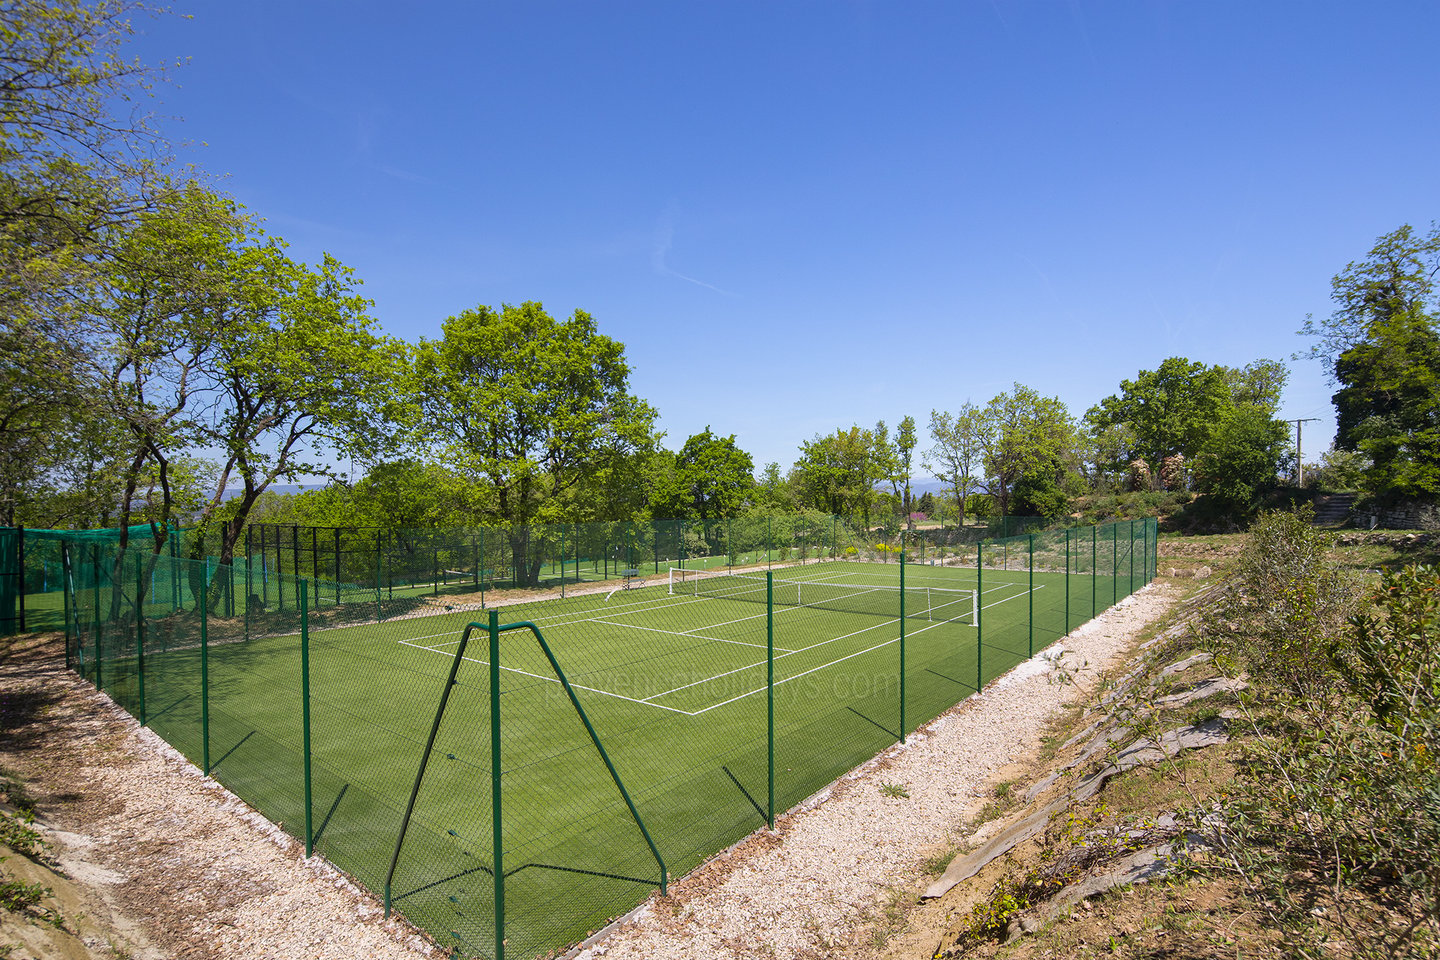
(674, 684)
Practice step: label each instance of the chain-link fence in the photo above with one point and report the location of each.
(553, 758)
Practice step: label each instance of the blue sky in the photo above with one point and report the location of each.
(799, 216)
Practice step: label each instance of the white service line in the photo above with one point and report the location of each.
(554, 680)
(678, 633)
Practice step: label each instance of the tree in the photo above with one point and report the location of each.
(155, 332)
(902, 466)
(1169, 410)
(838, 473)
(1382, 349)
(1022, 432)
(957, 454)
(715, 475)
(527, 406)
(298, 372)
(772, 493)
(1388, 405)
(1241, 457)
(1396, 277)
(73, 176)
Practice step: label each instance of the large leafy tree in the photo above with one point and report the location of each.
(1380, 348)
(528, 406)
(1180, 409)
(1169, 410)
(1241, 456)
(1022, 433)
(297, 380)
(715, 476)
(837, 473)
(78, 165)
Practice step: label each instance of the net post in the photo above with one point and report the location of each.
(496, 829)
(979, 614)
(902, 644)
(205, 679)
(305, 711)
(1032, 595)
(770, 691)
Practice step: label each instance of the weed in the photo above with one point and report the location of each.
(896, 791)
(17, 834)
(18, 896)
(937, 863)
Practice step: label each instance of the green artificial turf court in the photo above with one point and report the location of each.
(674, 684)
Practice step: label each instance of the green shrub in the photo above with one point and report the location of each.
(1288, 601)
(1334, 826)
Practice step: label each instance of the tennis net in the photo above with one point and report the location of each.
(936, 604)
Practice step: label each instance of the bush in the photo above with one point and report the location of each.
(1334, 827)
(1289, 601)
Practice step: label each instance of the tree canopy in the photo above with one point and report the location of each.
(1381, 347)
(526, 405)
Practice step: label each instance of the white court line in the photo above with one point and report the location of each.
(752, 666)
(822, 666)
(649, 700)
(677, 633)
(1016, 596)
(554, 680)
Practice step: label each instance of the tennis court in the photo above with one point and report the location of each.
(320, 721)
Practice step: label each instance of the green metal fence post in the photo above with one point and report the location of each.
(770, 690)
(66, 583)
(1032, 595)
(140, 632)
(305, 713)
(562, 561)
(497, 832)
(1114, 563)
(1094, 566)
(205, 681)
(1132, 557)
(979, 613)
(99, 644)
(902, 645)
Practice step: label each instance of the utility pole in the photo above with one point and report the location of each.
(1299, 459)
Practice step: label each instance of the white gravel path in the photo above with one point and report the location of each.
(807, 893)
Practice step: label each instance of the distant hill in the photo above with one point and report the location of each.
(279, 488)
